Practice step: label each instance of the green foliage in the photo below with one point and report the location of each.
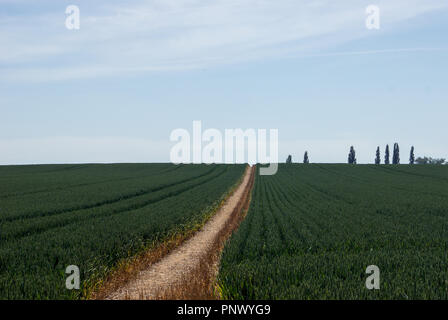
(429, 160)
(305, 158)
(94, 216)
(387, 155)
(378, 156)
(411, 156)
(312, 230)
(396, 155)
(352, 156)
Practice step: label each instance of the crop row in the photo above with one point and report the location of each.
(312, 230)
(138, 213)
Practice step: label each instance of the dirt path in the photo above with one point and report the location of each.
(188, 272)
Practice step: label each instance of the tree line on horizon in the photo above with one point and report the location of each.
(395, 157)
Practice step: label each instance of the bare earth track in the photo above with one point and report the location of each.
(190, 270)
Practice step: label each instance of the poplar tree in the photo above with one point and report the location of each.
(386, 155)
(396, 155)
(411, 156)
(378, 156)
(305, 158)
(352, 156)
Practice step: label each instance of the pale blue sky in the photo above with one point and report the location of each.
(115, 89)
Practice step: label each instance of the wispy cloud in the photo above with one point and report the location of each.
(158, 35)
(368, 52)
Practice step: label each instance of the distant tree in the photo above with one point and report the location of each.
(420, 160)
(411, 156)
(378, 156)
(305, 158)
(396, 155)
(429, 160)
(386, 155)
(289, 159)
(352, 156)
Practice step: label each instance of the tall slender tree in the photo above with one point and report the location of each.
(289, 159)
(411, 156)
(352, 156)
(378, 156)
(396, 155)
(305, 158)
(386, 155)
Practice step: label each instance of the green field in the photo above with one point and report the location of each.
(93, 216)
(312, 230)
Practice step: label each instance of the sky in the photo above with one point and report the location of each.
(114, 90)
